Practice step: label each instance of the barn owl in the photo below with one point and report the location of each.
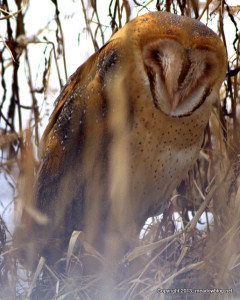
(125, 130)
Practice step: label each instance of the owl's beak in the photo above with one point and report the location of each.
(175, 100)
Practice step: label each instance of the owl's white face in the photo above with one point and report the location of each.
(181, 79)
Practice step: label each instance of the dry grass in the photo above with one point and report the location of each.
(194, 245)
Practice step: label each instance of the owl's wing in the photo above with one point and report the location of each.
(77, 79)
(59, 180)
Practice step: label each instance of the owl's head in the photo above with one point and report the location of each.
(182, 60)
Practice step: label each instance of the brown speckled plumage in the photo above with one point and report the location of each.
(126, 128)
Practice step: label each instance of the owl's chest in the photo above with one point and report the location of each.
(163, 151)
